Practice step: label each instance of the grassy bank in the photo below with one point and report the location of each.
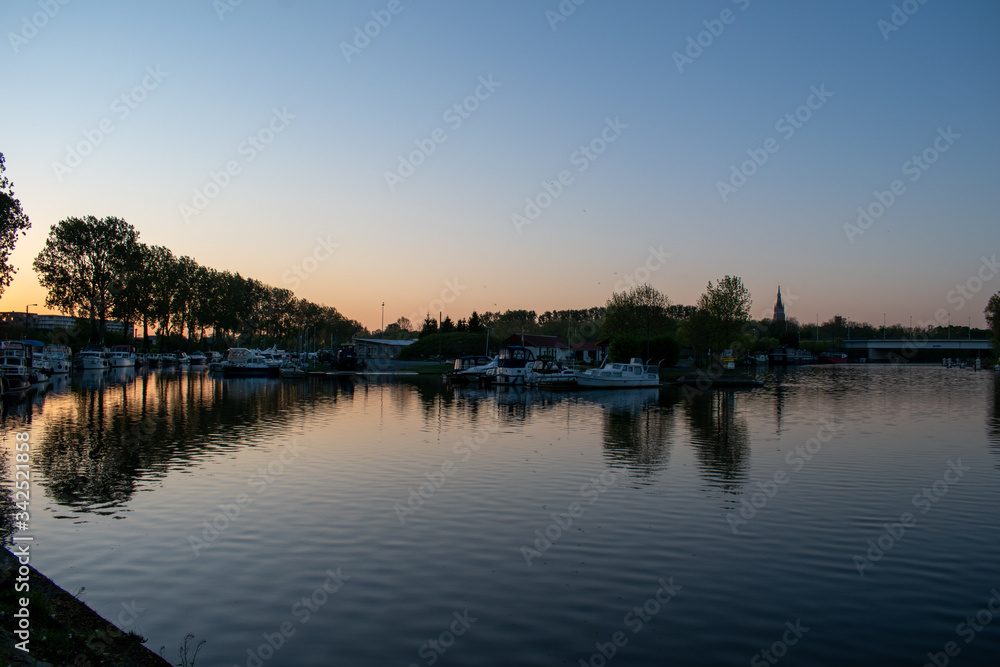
(63, 630)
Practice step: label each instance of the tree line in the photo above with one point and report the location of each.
(97, 268)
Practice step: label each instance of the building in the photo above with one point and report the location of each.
(379, 348)
(589, 353)
(36, 321)
(549, 347)
(779, 309)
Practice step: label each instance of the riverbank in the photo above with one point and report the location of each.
(63, 629)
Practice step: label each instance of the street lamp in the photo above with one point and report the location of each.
(383, 320)
(26, 318)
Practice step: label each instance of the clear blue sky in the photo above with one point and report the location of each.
(343, 122)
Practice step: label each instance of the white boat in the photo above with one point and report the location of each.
(513, 365)
(168, 359)
(470, 369)
(92, 358)
(57, 358)
(13, 368)
(122, 356)
(551, 374)
(241, 362)
(198, 359)
(617, 375)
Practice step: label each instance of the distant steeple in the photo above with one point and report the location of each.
(779, 309)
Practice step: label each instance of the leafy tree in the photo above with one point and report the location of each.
(640, 311)
(81, 262)
(727, 309)
(13, 220)
(404, 324)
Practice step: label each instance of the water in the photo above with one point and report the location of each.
(552, 527)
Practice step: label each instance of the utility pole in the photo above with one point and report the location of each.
(383, 319)
(26, 318)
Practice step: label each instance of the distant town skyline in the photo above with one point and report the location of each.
(526, 155)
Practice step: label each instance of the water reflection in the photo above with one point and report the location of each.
(993, 419)
(720, 437)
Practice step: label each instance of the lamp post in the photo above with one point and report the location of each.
(383, 320)
(26, 318)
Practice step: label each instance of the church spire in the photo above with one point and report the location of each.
(779, 308)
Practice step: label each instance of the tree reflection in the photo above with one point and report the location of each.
(993, 420)
(637, 430)
(720, 438)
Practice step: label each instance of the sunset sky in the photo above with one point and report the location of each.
(736, 136)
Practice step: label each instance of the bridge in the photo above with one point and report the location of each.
(881, 349)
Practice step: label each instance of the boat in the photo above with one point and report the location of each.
(470, 369)
(182, 358)
(122, 356)
(34, 359)
(93, 357)
(198, 359)
(13, 368)
(168, 359)
(292, 373)
(241, 362)
(57, 359)
(513, 365)
(551, 374)
(833, 358)
(785, 355)
(618, 375)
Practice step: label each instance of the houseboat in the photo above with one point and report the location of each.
(618, 376)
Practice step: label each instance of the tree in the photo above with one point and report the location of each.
(447, 326)
(404, 324)
(727, 306)
(430, 326)
(992, 312)
(81, 262)
(641, 311)
(475, 324)
(13, 220)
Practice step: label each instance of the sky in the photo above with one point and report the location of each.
(464, 156)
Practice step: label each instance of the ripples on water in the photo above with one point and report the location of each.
(630, 486)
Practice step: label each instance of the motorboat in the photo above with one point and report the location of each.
(198, 359)
(618, 376)
(833, 358)
(57, 358)
(241, 362)
(13, 368)
(513, 365)
(168, 359)
(92, 358)
(551, 374)
(122, 356)
(470, 368)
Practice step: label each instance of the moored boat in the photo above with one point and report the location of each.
(13, 368)
(92, 358)
(833, 358)
(470, 369)
(547, 373)
(57, 358)
(241, 362)
(513, 365)
(122, 356)
(618, 376)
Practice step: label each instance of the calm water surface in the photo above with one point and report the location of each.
(403, 522)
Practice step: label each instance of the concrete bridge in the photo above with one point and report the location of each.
(880, 349)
